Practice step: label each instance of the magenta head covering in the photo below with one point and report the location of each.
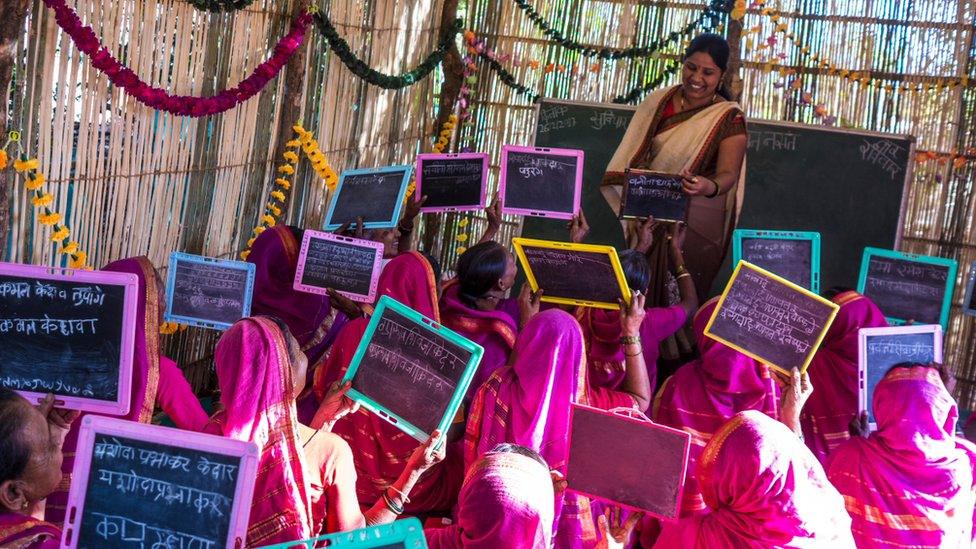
(911, 482)
(763, 489)
(725, 368)
(275, 256)
(257, 392)
(506, 501)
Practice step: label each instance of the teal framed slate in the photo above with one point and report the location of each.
(740, 236)
(902, 299)
(403, 534)
(410, 370)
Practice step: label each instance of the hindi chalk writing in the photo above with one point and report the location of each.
(541, 182)
(61, 336)
(410, 370)
(772, 140)
(209, 292)
(374, 196)
(451, 182)
(146, 494)
(574, 274)
(770, 319)
(886, 350)
(883, 154)
(654, 194)
(347, 267)
(788, 258)
(634, 447)
(907, 290)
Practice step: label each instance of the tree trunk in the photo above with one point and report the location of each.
(13, 13)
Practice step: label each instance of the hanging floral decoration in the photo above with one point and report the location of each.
(217, 6)
(102, 59)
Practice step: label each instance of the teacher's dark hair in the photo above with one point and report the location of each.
(509, 448)
(718, 49)
(636, 270)
(14, 450)
(479, 268)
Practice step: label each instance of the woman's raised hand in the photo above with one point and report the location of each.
(335, 406)
(632, 316)
(697, 185)
(427, 454)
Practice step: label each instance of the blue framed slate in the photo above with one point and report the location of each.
(907, 286)
(793, 255)
(406, 533)
(207, 292)
(410, 370)
(375, 194)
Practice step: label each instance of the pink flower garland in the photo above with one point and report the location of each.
(87, 42)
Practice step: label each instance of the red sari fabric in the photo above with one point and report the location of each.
(764, 489)
(155, 379)
(705, 393)
(833, 373)
(23, 532)
(910, 483)
(381, 450)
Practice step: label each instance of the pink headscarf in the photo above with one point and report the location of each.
(763, 489)
(381, 449)
(494, 330)
(152, 374)
(910, 483)
(833, 373)
(703, 394)
(257, 393)
(528, 402)
(506, 501)
(275, 256)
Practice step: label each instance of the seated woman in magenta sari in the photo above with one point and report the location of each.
(156, 380)
(528, 402)
(833, 372)
(705, 393)
(380, 449)
(30, 469)
(911, 482)
(506, 501)
(306, 480)
(474, 305)
(763, 489)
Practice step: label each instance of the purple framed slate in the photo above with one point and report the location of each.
(68, 332)
(350, 266)
(631, 462)
(541, 181)
(456, 182)
(146, 485)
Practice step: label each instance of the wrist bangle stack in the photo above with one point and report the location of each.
(392, 505)
(630, 340)
(680, 270)
(715, 193)
(640, 351)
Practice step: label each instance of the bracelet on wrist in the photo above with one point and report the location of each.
(392, 505)
(682, 275)
(680, 270)
(630, 340)
(716, 191)
(640, 351)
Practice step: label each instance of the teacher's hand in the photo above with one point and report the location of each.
(697, 185)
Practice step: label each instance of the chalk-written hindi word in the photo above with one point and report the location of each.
(775, 141)
(165, 460)
(534, 166)
(904, 350)
(337, 263)
(127, 531)
(452, 168)
(48, 326)
(408, 337)
(608, 119)
(46, 386)
(882, 153)
(556, 258)
(78, 297)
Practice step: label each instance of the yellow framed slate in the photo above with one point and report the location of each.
(577, 274)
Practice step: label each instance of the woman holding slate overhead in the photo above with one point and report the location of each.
(834, 372)
(693, 130)
(156, 380)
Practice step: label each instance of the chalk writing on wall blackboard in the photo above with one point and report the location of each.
(772, 140)
(884, 154)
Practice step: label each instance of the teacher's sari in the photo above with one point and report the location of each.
(23, 532)
(764, 489)
(833, 373)
(910, 483)
(155, 379)
(505, 501)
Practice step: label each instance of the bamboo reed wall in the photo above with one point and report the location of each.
(133, 181)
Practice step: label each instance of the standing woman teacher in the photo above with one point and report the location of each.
(695, 130)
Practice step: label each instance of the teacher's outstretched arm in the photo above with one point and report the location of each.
(731, 152)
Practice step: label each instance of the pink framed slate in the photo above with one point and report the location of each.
(156, 483)
(634, 458)
(482, 201)
(569, 154)
(353, 254)
(41, 307)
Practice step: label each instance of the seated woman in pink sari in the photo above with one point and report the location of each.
(156, 380)
(833, 372)
(506, 501)
(763, 489)
(306, 480)
(911, 482)
(381, 450)
(474, 305)
(528, 402)
(30, 469)
(705, 393)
